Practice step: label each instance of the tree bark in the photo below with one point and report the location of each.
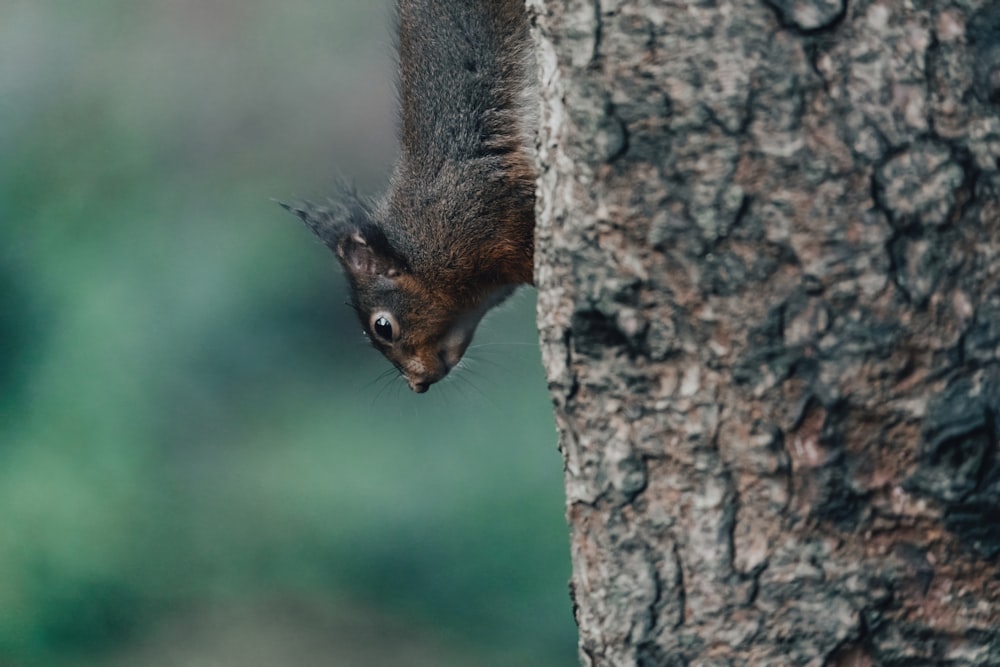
(768, 262)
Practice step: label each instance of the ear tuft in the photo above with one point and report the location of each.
(331, 221)
(345, 225)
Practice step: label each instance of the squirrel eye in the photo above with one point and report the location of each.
(383, 325)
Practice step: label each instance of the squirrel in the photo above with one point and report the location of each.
(454, 234)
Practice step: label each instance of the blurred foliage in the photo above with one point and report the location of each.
(191, 425)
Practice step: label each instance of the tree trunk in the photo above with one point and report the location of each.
(768, 262)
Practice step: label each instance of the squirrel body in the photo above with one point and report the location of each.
(454, 234)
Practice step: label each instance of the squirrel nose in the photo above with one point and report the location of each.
(423, 382)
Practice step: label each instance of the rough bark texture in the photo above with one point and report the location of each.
(768, 260)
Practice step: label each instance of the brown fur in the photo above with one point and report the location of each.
(456, 227)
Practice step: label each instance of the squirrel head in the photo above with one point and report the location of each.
(422, 326)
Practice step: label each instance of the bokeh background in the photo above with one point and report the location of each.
(201, 461)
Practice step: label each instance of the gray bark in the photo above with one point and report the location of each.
(768, 262)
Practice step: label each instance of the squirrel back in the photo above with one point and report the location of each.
(454, 234)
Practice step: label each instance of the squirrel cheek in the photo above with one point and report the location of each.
(454, 344)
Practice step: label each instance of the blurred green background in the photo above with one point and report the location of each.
(201, 462)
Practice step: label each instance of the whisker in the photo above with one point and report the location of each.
(387, 378)
(387, 372)
(467, 367)
(461, 377)
(482, 360)
(440, 398)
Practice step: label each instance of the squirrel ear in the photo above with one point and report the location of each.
(361, 257)
(347, 229)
